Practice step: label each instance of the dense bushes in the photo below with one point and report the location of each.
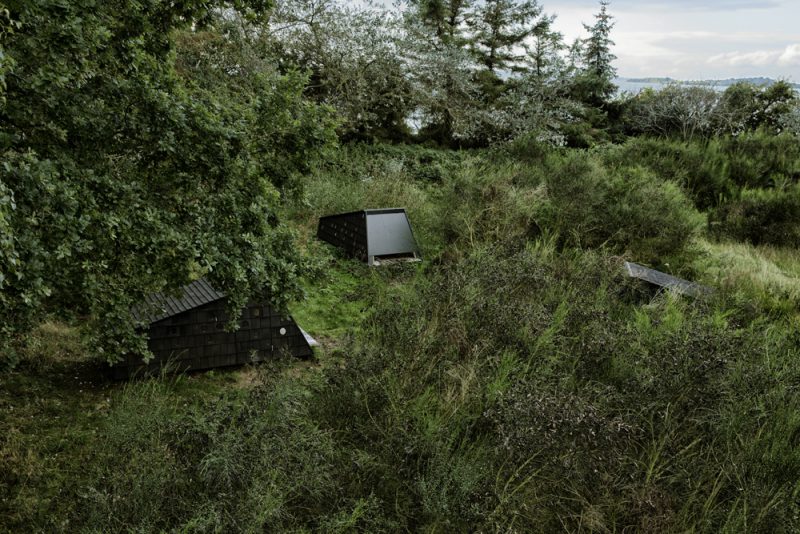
(701, 170)
(762, 160)
(246, 461)
(712, 172)
(761, 216)
(571, 197)
(748, 183)
(516, 380)
(629, 210)
(558, 402)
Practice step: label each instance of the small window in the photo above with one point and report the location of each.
(255, 312)
(173, 331)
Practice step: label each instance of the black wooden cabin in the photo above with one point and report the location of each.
(371, 235)
(188, 333)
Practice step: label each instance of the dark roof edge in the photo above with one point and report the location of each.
(159, 306)
(376, 211)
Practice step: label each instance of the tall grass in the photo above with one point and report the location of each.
(516, 381)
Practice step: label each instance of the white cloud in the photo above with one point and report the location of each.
(759, 58)
(790, 56)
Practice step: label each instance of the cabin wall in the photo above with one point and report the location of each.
(196, 339)
(347, 231)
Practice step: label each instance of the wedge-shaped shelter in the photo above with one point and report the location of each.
(371, 235)
(684, 287)
(188, 331)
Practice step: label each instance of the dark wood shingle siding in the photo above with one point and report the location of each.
(196, 339)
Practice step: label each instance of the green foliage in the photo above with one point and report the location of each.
(744, 106)
(674, 111)
(594, 84)
(629, 210)
(692, 112)
(576, 404)
(761, 160)
(714, 172)
(761, 216)
(499, 27)
(511, 382)
(351, 55)
(488, 204)
(365, 176)
(120, 178)
(703, 171)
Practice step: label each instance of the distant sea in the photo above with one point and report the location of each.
(635, 85)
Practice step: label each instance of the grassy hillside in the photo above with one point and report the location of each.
(514, 381)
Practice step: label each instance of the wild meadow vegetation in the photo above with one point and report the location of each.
(516, 380)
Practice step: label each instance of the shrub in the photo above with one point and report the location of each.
(699, 169)
(628, 210)
(488, 204)
(761, 216)
(762, 160)
(521, 389)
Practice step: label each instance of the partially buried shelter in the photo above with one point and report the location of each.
(372, 235)
(187, 331)
(666, 281)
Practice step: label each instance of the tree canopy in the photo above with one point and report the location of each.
(122, 176)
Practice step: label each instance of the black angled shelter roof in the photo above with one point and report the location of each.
(684, 287)
(187, 331)
(162, 305)
(370, 235)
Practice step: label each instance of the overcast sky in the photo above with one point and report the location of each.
(695, 39)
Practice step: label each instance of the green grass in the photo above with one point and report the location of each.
(513, 381)
(54, 412)
(335, 303)
(765, 275)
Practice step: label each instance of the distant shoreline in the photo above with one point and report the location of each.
(760, 81)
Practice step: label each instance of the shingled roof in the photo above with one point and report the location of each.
(160, 306)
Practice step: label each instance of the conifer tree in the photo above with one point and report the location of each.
(544, 51)
(499, 29)
(445, 17)
(598, 60)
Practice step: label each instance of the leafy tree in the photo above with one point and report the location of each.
(686, 112)
(121, 177)
(352, 56)
(745, 106)
(790, 122)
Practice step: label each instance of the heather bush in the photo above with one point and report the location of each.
(701, 170)
(627, 210)
(559, 395)
(761, 160)
(761, 216)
